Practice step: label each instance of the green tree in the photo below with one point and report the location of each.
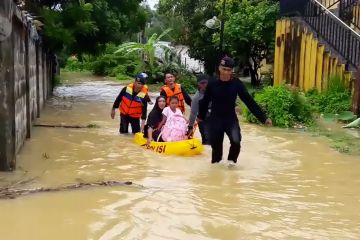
(65, 27)
(85, 26)
(250, 31)
(196, 35)
(158, 23)
(116, 21)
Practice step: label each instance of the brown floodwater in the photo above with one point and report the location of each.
(287, 185)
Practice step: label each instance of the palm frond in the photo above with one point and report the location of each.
(129, 45)
(164, 33)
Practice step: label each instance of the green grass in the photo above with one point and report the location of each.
(338, 138)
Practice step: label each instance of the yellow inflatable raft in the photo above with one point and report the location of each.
(188, 147)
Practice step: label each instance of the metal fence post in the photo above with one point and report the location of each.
(356, 96)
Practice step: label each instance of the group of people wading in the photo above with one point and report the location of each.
(212, 110)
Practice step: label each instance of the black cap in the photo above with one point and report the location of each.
(202, 77)
(227, 62)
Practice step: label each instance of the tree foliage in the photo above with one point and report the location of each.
(195, 34)
(79, 26)
(65, 27)
(146, 51)
(250, 31)
(158, 23)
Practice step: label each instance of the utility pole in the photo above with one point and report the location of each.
(221, 47)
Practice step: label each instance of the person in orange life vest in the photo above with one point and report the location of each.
(132, 103)
(174, 89)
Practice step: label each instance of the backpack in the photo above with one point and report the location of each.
(174, 129)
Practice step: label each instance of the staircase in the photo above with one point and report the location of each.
(335, 26)
(346, 10)
(335, 22)
(333, 30)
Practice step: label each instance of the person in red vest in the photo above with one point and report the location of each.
(132, 103)
(174, 89)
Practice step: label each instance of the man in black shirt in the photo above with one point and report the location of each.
(222, 93)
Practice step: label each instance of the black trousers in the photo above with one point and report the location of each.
(218, 126)
(204, 131)
(125, 121)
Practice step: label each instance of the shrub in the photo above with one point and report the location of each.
(335, 99)
(112, 64)
(121, 76)
(284, 106)
(73, 65)
(334, 102)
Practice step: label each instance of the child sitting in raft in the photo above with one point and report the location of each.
(173, 122)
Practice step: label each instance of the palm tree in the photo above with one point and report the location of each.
(146, 50)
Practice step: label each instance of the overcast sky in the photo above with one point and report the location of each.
(152, 3)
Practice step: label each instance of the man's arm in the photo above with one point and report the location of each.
(117, 102)
(186, 96)
(204, 103)
(147, 98)
(250, 103)
(119, 97)
(194, 109)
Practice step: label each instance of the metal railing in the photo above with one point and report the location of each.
(356, 18)
(347, 4)
(334, 31)
(344, 10)
(346, 13)
(330, 3)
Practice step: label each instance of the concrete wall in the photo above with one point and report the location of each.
(25, 81)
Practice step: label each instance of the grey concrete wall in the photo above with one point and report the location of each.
(25, 81)
(20, 85)
(7, 114)
(41, 78)
(32, 80)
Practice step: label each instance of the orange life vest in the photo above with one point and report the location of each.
(146, 89)
(132, 105)
(176, 92)
(162, 88)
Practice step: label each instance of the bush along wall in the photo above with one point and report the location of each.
(288, 106)
(285, 106)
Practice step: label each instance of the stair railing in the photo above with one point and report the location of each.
(334, 31)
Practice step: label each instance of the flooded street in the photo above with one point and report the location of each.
(287, 185)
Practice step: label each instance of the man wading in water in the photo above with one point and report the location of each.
(132, 103)
(222, 94)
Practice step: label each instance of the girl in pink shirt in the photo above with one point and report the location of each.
(173, 122)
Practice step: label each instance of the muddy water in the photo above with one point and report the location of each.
(287, 185)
